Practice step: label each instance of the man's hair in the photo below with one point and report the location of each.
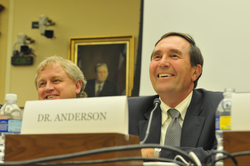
(194, 52)
(99, 65)
(69, 67)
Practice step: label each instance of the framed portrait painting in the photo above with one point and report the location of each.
(113, 54)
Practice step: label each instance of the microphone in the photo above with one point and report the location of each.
(156, 103)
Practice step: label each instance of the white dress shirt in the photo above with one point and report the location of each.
(166, 118)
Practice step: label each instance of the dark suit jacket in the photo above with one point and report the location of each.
(109, 88)
(198, 130)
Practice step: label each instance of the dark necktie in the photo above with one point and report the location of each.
(99, 90)
(173, 134)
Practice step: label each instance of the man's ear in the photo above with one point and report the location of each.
(196, 72)
(78, 86)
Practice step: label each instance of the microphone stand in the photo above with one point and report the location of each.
(156, 102)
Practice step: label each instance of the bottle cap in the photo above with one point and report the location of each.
(11, 96)
(229, 90)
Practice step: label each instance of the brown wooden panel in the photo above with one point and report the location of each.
(25, 147)
(237, 142)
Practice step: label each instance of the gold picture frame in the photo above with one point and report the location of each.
(116, 51)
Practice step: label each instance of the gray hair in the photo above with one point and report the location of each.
(69, 67)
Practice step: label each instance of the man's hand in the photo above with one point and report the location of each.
(147, 152)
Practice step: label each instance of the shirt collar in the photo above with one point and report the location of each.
(181, 107)
(97, 83)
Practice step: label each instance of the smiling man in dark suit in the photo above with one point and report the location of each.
(176, 65)
(100, 86)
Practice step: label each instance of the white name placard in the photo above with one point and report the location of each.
(80, 115)
(240, 112)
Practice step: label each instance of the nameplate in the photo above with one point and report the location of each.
(240, 112)
(80, 115)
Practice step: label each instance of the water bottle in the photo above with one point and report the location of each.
(10, 120)
(223, 121)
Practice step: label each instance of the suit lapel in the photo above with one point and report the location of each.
(193, 123)
(155, 128)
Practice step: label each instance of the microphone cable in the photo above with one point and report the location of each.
(114, 160)
(232, 156)
(101, 150)
(228, 155)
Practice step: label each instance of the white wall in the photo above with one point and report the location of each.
(221, 30)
